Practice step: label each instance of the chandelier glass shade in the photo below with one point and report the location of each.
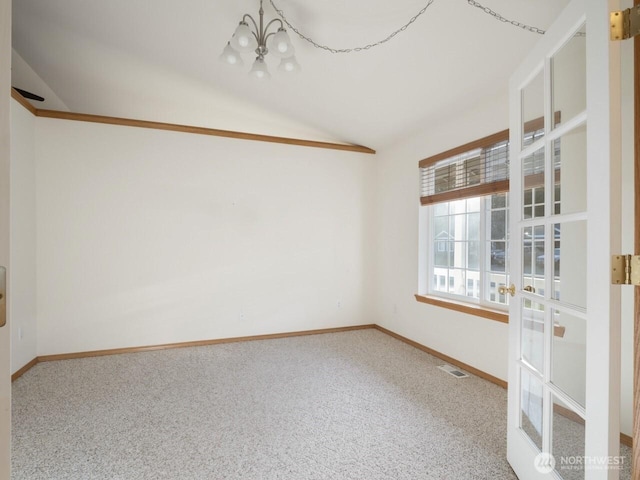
(252, 36)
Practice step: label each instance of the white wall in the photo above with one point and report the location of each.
(151, 237)
(476, 341)
(25, 78)
(22, 275)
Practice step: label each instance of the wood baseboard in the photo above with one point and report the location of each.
(199, 343)
(446, 358)
(24, 369)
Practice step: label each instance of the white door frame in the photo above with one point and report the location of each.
(603, 238)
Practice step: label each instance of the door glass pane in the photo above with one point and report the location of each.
(497, 235)
(533, 256)
(532, 331)
(533, 110)
(498, 232)
(533, 180)
(531, 407)
(569, 78)
(570, 263)
(567, 441)
(570, 165)
(569, 358)
(495, 281)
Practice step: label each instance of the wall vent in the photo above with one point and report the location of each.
(453, 371)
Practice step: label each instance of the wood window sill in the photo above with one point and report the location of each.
(484, 312)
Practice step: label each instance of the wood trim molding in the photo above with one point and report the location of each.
(127, 122)
(446, 358)
(198, 343)
(82, 117)
(568, 413)
(24, 369)
(23, 101)
(478, 311)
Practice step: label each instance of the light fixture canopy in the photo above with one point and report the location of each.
(252, 36)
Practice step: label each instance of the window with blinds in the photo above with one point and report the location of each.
(465, 194)
(475, 169)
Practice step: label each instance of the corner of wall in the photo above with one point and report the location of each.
(22, 272)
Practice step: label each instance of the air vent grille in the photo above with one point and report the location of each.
(453, 371)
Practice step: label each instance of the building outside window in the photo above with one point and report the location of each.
(474, 231)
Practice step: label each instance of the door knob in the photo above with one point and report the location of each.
(511, 290)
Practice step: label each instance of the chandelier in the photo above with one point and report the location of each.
(256, 37)
(246, 39)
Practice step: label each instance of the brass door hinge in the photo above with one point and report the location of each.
(625, 270)
(625, 24)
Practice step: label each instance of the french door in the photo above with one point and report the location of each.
(563, 419)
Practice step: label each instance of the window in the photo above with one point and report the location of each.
(464, 195)
(475, 260)
(465, 209)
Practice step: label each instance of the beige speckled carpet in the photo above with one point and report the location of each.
(353, 405)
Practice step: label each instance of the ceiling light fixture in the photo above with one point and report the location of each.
(261, 41)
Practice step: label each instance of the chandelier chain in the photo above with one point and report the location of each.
(473, 3)
(499, 17)
(355, 49)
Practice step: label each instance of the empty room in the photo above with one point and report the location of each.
(285, 239)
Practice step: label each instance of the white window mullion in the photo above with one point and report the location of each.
(485, 248)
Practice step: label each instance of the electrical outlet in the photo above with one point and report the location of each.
(339, 304)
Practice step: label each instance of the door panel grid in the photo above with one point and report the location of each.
(558, 127)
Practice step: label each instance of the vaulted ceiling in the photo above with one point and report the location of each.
(159, 61)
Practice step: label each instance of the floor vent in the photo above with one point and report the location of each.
(453, 371)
